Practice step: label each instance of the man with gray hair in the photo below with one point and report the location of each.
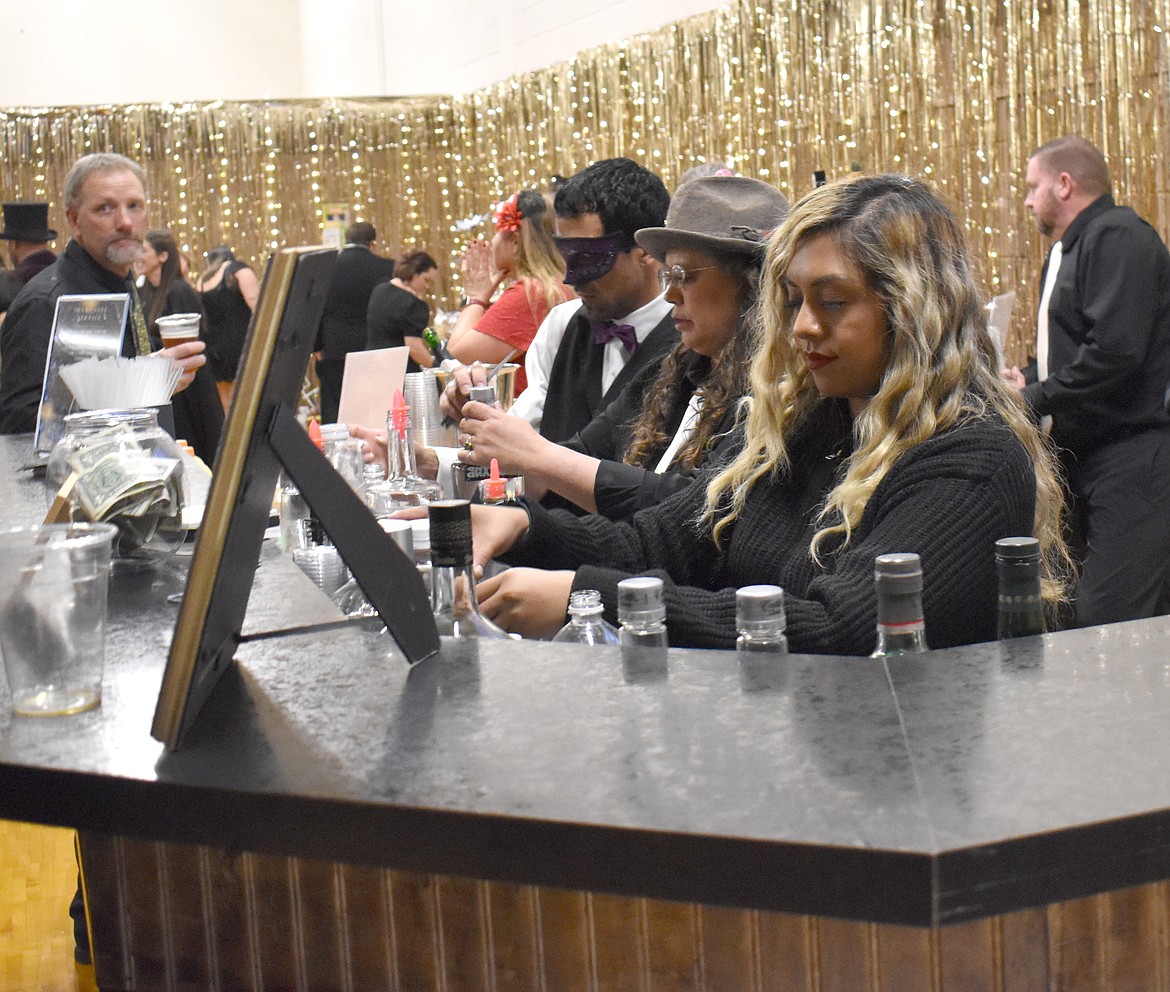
(106, 210)
(1102, 368)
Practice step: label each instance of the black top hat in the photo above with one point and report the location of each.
(27, 222)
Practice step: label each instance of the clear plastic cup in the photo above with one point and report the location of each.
(53, 585)
(178, 328)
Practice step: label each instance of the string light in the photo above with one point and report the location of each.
(955, 93)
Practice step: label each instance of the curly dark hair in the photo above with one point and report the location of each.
(723, 388)
(626, 196)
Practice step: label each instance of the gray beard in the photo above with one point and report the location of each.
(124, 256)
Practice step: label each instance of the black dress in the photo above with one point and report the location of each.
(226, 326)
(394, 315)
(197, 409)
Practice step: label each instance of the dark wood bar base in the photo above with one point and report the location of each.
(186, 917)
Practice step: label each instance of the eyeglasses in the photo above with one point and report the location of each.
(676, 276)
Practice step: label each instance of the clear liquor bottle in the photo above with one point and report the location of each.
(403, 486)
(642, 612)
(453, 599)
(295, 529)
(586, 624)
(901, 628)
(345, 455)
(760, 620)
(1021, 608)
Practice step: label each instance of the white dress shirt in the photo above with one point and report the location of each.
(543, 352)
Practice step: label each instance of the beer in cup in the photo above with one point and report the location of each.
(178, 328)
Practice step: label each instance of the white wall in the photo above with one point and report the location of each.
(63, 52)
(453, 46)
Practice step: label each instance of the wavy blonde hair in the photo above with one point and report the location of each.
(940, 369)
(538, 263)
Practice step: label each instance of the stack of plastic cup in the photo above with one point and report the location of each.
(421, 391)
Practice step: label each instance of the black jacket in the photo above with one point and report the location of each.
(24, 339)
(1108, 331)
(574, 382)
(620, 490)
(343, 321)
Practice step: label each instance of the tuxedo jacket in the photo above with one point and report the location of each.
(343, 320)
(574, 383)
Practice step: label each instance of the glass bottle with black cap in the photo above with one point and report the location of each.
(901, 628)
(453, 600)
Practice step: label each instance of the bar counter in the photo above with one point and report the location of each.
(802, 822)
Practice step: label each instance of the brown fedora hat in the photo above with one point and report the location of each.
(27, 222)
(718, 213)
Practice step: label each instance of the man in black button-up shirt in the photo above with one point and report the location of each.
(1108, 366)
(106, 209)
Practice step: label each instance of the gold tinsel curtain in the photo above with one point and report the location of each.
(957, 93)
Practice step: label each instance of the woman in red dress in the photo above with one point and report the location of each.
(522, 257)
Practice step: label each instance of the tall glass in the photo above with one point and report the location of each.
(53, 584)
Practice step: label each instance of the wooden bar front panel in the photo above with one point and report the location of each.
(177, 918)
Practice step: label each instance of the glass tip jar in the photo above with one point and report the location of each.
(121, 467)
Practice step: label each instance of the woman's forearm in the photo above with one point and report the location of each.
(570, 474)
(419, 351)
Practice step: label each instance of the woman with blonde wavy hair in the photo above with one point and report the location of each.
(878, 424)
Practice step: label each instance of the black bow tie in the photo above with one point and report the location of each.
(605, 331)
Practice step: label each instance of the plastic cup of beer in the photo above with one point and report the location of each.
(178, 328)
(53, 584)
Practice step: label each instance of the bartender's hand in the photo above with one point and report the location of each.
(1013, 377)
(426, 460)
(494, 529)
(463, 377)
(189, 357)
(373, 444)
(527, 601)
(486, 432)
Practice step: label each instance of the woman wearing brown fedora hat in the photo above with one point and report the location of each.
(639, 451)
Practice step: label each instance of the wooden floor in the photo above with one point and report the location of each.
(38, 876)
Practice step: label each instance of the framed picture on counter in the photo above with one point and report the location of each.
(260, 437)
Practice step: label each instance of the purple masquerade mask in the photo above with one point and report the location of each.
(587, 259)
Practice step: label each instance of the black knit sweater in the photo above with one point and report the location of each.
(949, 500)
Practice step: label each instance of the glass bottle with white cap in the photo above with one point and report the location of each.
(760, 619)
(642, 612)
(586, 624)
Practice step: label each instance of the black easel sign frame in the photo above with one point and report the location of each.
(261, 435)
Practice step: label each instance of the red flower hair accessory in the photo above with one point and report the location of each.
(507, 214)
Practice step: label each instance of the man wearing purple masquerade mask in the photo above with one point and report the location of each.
(588, 349)
(588, 259)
